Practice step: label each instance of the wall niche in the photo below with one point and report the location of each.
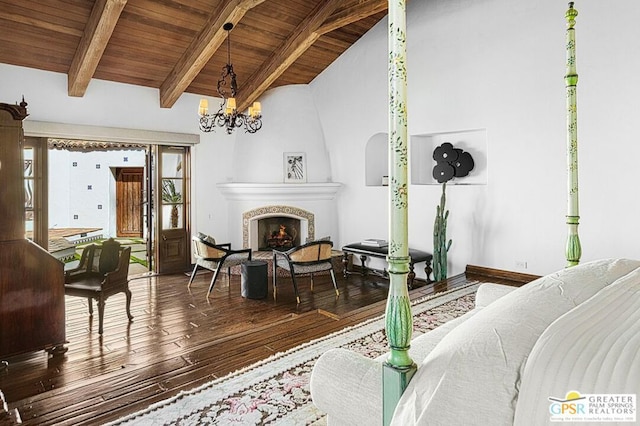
(421, 160)
(377, 159)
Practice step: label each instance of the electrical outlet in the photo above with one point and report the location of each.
(521, 264)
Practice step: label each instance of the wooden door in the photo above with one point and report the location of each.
(172, 198)
(129, 187)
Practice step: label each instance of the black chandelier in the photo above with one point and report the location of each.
(227, 115)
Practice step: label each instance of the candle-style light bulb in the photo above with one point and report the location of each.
(204, 107)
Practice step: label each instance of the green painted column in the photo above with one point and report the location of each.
(399, 368)
(573, 249)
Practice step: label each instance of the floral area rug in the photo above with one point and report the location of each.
(275, 391)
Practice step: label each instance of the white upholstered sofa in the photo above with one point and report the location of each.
(575, 330)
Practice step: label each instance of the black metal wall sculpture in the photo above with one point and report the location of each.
(451, 162)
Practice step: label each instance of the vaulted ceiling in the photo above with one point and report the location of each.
(180, 46)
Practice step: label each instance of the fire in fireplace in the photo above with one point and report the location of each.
(278, 233)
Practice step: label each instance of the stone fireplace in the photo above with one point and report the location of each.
(276, 227)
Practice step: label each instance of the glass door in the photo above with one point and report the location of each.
(35, 191)
(173, 209)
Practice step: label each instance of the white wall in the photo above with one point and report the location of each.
(290, 124)
(499, 65)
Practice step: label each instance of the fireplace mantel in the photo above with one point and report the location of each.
(279, 191)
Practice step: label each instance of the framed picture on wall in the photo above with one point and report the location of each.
(295, 167)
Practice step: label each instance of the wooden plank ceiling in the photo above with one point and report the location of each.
(179, 46)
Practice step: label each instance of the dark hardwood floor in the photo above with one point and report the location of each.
(179, 340)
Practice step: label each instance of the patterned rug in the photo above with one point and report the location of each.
(275, 391)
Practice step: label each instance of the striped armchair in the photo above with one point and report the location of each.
(306, 259)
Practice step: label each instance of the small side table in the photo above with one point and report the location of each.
(254, 282)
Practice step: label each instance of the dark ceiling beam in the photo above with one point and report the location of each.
(202, 49)
(304, 35)
(103, 19)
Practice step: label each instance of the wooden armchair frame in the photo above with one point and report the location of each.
(306, 259)
(215, 257)
(102, 272)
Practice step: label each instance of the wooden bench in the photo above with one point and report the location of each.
(366, 251)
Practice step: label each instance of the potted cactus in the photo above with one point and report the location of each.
(450, 163)
(440, 244)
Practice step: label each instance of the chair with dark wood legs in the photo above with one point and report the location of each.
(102, 272)
(306, 259)
(215, 257)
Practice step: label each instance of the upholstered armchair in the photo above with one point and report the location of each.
(102, 272)
(215, 257)
(306, 259)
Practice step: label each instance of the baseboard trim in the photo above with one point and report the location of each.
(499, 274)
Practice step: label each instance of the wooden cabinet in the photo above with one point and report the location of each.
(31, 280)
(31, 299)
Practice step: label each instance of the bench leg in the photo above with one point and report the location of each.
(428, 270)
(411, 276)
(363, 270)
(345, 264)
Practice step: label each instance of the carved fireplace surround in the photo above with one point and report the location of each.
(308, 202)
